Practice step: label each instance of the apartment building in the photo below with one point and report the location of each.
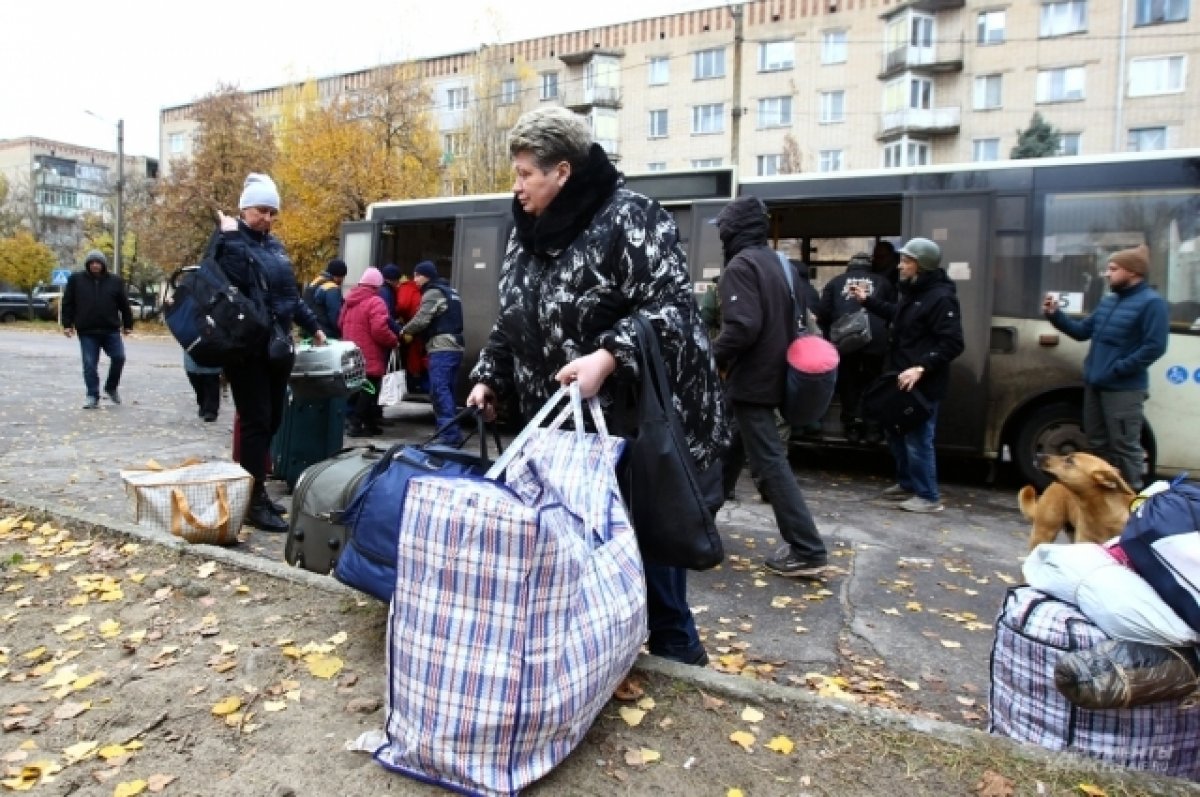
(775, 86)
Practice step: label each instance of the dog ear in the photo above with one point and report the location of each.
(1109, 479)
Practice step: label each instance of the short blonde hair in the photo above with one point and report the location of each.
(551, 134)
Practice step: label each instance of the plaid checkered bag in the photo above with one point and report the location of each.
(519, 607)
(1033, 632)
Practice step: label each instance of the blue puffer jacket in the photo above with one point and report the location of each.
(1128, 331)
(239, 254)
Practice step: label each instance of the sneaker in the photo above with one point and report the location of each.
(919, 504)
(113, 396)
(92, 403)
(787, 562)
(897, 493)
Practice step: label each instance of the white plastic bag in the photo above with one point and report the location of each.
(392, 388)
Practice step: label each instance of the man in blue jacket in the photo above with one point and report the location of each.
(1128, 331)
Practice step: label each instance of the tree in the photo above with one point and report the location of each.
(792, 161)
(1039, 140)
(10, 210)
(230, 143)
(24, 262)
(335, 161)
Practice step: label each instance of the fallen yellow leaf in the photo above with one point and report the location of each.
(743, 739)
(207, 569)
(734, 793)
(781, 744)
(750, 714)
(632, 716)
(129, 788)
(322, 666)
(110, 628)
(271, 706)
(949, 643)
(338, 638)
(112, 751)
(1089, 789)
(157, 783)
(80, 751)
(646, 704)
(227, 706)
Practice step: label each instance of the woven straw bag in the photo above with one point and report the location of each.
(202, 503)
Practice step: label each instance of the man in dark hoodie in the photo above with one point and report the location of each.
(757, 326)
(95, 307)
(926, 335)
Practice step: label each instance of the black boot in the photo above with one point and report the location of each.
(262, 516)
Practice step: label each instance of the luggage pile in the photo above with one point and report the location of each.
(1097, 655)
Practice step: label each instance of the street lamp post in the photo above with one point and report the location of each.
(118, 222)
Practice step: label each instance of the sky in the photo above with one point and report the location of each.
(70, 69)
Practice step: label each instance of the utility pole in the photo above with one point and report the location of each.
(117, 226)
(736, 9)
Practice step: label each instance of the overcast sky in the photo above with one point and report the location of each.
(127, 59)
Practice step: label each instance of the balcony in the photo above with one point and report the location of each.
(581, 100)
(610, 146)
(945, 58)
(920, 121)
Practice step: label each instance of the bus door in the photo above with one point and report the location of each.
(960, 223)
(703, 243)
(479, 242)
(360, 242)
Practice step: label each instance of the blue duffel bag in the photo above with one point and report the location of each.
(372, 518)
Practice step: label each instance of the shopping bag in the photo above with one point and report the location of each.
(519, 606)
(202, 503)
(391, 389)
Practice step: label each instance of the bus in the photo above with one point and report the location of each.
(1010, 232)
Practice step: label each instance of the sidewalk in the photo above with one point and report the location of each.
(227, 613)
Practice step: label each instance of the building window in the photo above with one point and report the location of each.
(989, 27)
(921, 31)
(987, 92)
(1059, 19)
(705, 163)
(1163, 75)
(658, 124)
(830, 160)
(659, 71)
(1144, 139)
(774, 112)
(985, 149)
(1070, 143)
(769, 165)
(708, 118)
(656, 166)
(509, 91)
(456, 99)
(1060, 85)
(549, 85)
(709, 64)
(833, 47)
(176, 143)
(453, 144)
(775, 56)
(1154, 12)
(905, 153)
(833, 107)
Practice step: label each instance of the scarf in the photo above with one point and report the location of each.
(572, 210)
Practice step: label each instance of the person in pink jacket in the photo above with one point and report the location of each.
(364, 321)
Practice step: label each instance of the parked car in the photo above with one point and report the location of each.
(141, 310)
(19, 306)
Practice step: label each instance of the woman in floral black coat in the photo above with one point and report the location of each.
(585, 256)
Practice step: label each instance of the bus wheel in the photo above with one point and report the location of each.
(1053, 429)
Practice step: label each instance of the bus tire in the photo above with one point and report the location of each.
(1052, 429)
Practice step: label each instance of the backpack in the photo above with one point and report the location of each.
(212, 320)
(1162, 541)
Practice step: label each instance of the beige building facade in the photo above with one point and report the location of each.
(779, 86)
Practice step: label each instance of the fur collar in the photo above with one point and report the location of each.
(569, 213)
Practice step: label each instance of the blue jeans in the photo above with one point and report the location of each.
(91, 345)
(669, 618)
(916, 465)
(443, 377)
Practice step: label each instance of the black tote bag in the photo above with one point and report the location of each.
(670, 501)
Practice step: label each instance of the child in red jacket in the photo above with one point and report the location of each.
(364, 321)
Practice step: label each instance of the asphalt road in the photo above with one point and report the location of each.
(904, 619)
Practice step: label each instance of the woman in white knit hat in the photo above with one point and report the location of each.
(254, 259)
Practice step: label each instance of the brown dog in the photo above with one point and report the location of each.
(1089, 500)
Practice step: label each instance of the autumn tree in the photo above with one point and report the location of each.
(791, 162)
(24, 262)
(477, 160)
(230, 142)
(1039, 140)
(10, 210)
(336, 160)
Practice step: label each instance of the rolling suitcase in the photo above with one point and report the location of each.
(1033, 632)
(311, 431)
(315, 531)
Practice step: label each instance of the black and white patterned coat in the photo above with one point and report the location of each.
(562, 304)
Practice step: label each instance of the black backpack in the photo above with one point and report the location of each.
(215, 322)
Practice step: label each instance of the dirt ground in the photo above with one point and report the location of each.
(127, 668)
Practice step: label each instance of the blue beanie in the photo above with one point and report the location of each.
(426, 269)
(336, 268)
(259, 191)
(390, 272)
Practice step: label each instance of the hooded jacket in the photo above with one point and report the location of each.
(757, 314)
(96, 304)
(365, 322)
(1128, 330)
(571, 279)
(837, 302)
(926, 329)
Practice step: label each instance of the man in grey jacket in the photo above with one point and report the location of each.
(756, 329)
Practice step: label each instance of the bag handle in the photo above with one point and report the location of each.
(480, 429)
(655, 370)
(574, 409)
(181, 510)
